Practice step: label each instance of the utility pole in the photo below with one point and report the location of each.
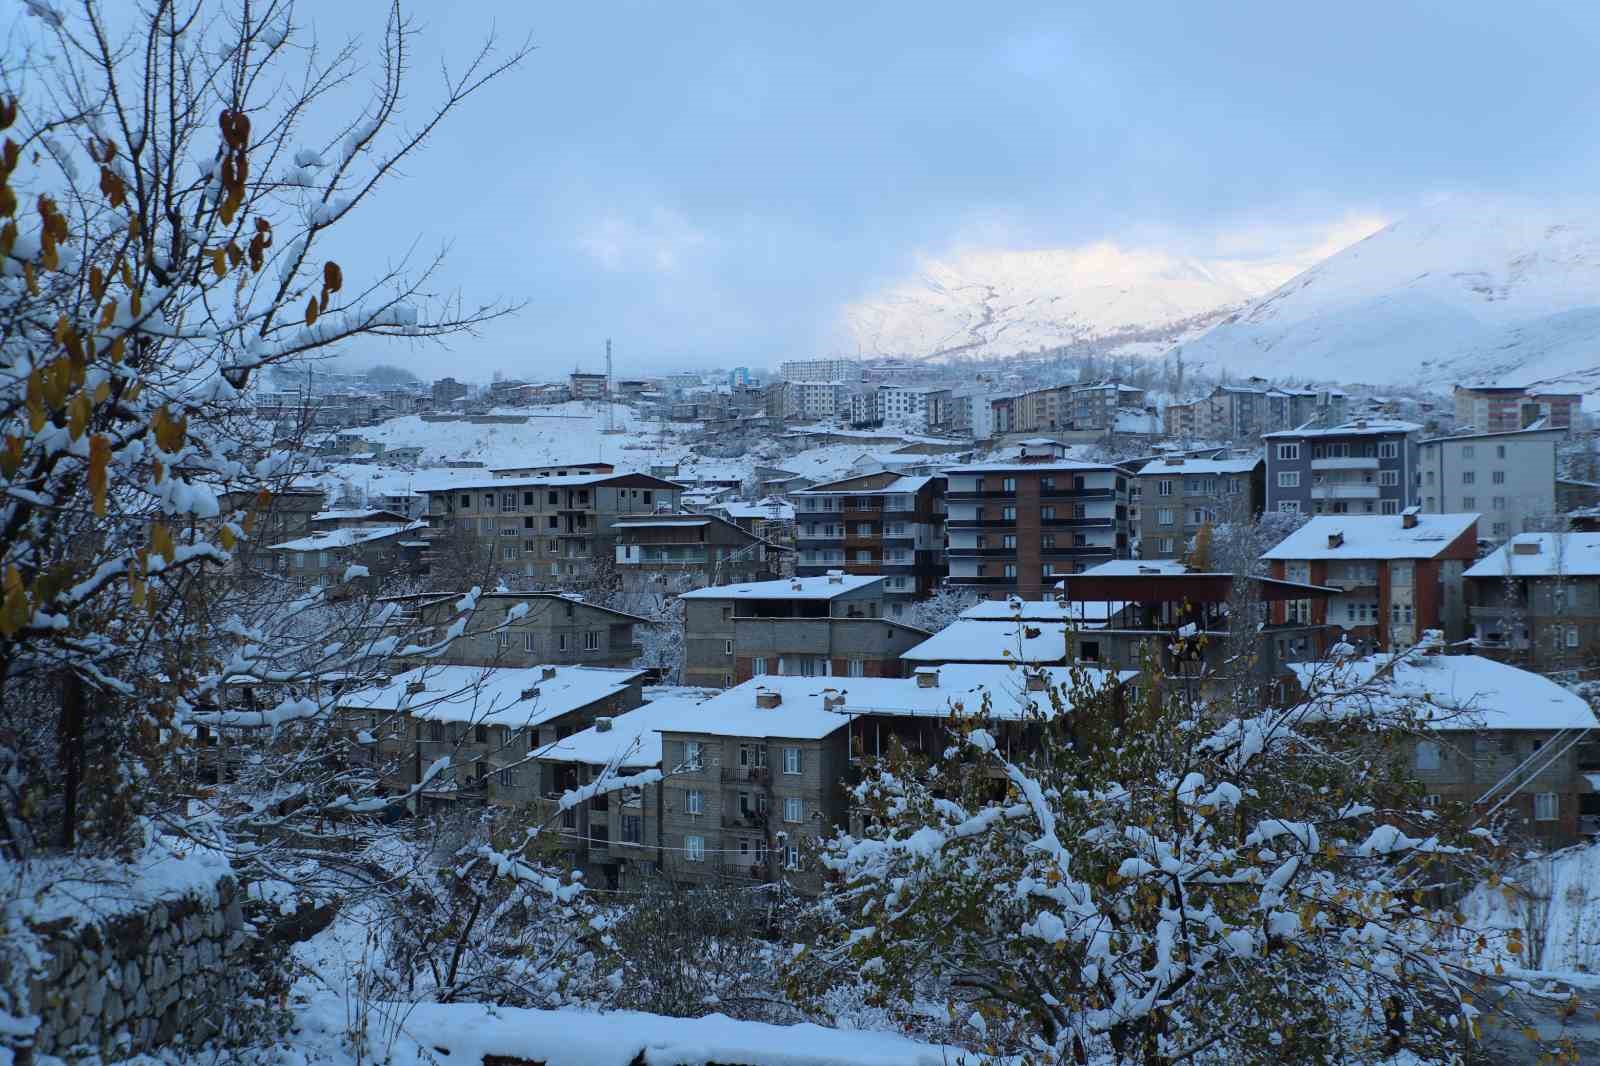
(611, 389)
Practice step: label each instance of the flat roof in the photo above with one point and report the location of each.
(1366, 427)
(1567, 554)
(349, 537)
(1057, 466)
(1200, 466)
(789, 588)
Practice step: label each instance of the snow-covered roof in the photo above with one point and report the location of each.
(1358, 428)
(789, 588)
(1567, 554)
(1372, 536)
(771, 509)
(800, 713)
(1014, 607)
(1462, 692)
(1200, 466)
(972, 640)
(349, 537)
(900, 485)
(666, 521)
(495, 695)
(1057, 466)
(633, 738)
(349, 514)
(1134, 568)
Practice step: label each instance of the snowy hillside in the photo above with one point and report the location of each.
(1469, 289)
(998, 303)
(561, 433)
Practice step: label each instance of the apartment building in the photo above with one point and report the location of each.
(1536, 600)
(357, 518)
(1094, 405)
(587, 386)
(1243, 412)
(770, 518)
(548, 526)
(326, 556)
(662, 551)
(1016, 528)
(517, 629)
(1507, 408)
(880, 523)
(284, 516)
(1360, 467)
(1500, 737)
(1177, 495)
(711, 617)
(1397, 575)
(486, 721)
(814, 400)
(1509, 477)
(446, 391)
(1183, 419)
(831, 370)
(1183, 617)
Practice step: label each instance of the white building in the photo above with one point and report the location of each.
(1510, 478)
(832, 370)
(816, 399)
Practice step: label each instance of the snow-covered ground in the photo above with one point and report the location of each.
(559, 433)
(1554, 906)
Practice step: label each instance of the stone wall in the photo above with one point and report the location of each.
(167, 971)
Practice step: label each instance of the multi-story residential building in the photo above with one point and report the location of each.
(830, 370)
(356, 518)
(971, 414)
(327, 556)
(485, 721)
(587, 386)
(517, 629)
(550, 527)
(1498, 737)
(711, 620)
(1017, 528)
(1183, 419)
(1242, 412)
(1094, 405)
(1397, 575)
(1359, 467)
(1509, 477)
(882, 523)
(771, 518)
(816, 400)
(1536, 600)
(1183, 618)
(285, 515)
(1177, 495)
(447, 391)
(659, 552)
(920, 408)
(553, 470)
(1506, 408)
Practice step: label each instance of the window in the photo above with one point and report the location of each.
(527, 641)
(693, 756)
(466, 501)
(1288, 451)
(727, 647)
(1389, 477)
(1008, 514)
(1009, 540)
(694, 801)
(1288, 479)
(1165, 516)
(1498, 477)
(1164, 487)
(1047, 541)
(561, 642)
(1166, 545)
(1428, 755)
(503, 640)
(591, 640)
(632, 829)
(508, 779)
(1468, 451)
(791, 760)
(1498, 503)
(1469, 502)
(1572, 636)
(1008, 570)
(1008, 484)
(508, 501)
(1289, 506)
(858, 667)
(1197, 516)
(1391, 506)
(694, 849)
(794, 809)
(1388, 449)
(1468, 477)
(758, 667)
(1546, 807)
(1047, 513)
(1499, 529)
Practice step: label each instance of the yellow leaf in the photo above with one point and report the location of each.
(227, 538)
(311, 311)
(14, 612)
(161, 541)
(219, 262)
(102, 392)
(78, 415)
(28, 276)
(170, 432)
(1531, 1033)
(11, 456)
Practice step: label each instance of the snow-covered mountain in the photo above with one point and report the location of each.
(1468, 289)
(999, 303)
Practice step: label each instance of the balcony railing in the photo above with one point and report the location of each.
(1345, 463)
(1345, 492)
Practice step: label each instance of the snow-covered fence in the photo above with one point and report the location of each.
(117, 965)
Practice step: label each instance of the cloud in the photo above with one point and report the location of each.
(661, 242)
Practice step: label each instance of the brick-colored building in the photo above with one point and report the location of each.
(1398, 575)
(1507, 408)
(1017, 528)
(880, 523)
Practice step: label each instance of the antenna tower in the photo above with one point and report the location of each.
(611, 391)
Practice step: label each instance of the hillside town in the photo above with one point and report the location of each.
(741, 535)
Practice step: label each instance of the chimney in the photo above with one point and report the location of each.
(927, 677)
(415, 688)
(531, 693)
(835, 577)
(1408, 518)
(548, 674)
(1336, 539)
(1526, 547)
(602, 724)
(766, 699)
(832, 699)
(1173, 460)
(1036, 681)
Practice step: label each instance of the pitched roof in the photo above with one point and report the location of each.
(1200, 466)
(1373, 536)
(1365, 427)
(1567, 554)
(495, 695)
(349, 537)
(789, 588)
(973, 640)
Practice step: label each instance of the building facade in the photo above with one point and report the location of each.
(1536, 600)
(820, 370)
(882, 523)
(1017, 528)
(1509, 477)
(1360, 467)
(662, 551)
(1508, 408)
(1177, 495)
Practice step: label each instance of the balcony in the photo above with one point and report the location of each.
(994, 495)
(1345, 463)
(1345, 492)
(981, 553)
(966, 579)
(746, 774)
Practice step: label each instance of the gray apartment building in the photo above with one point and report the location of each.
(713, 617)
(1177, 495)
(1365, 466)
(1510, 478)
(519, 629)
(1536, 600)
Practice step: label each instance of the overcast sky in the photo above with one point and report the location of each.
(709, 184)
